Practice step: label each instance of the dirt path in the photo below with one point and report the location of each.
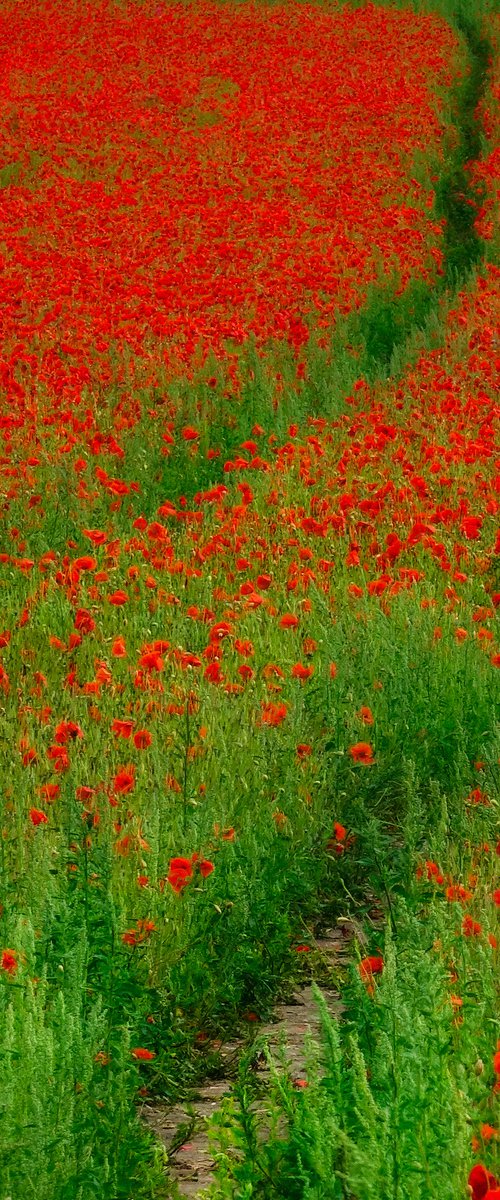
(182, 1127)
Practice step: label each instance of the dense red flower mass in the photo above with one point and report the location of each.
(198, 196)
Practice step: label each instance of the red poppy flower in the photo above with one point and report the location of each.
(368, 967)
(244, 648)
(213, 673)
(96, 536)
(253, 600)
(121, 728)
(481, 1181)
(37, 817)
(50, 791)
(299, 671)
(56, 643)
(133, 937)
(185, 659)
(289, 621)
(103, 673)
(8, 962)
(129, 938)
(151, 660)
(272, 714)
(373, 965)
(84, 793)
(83, 621)
(142, 1055)
(85, 563)
(457, 892)
(477, 796)
(471, 527)
(67, 731)
(180, 873)
(142, 739)
(222, 629)
(488, 1132)
(433, 872)
(29, 754)
(118, 598)
(470, 927)
(60, 758)
(124, 781)
(362, 753)
(271, 670)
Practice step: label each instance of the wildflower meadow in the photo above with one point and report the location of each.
(249, 591)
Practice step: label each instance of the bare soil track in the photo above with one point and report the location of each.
(190, 1164)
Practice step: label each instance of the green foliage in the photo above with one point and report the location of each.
(10, 174)
(385, 324)
(457, 197)
(386, 1106)
(67, 1083)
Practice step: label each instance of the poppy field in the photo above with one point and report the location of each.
(249, 588)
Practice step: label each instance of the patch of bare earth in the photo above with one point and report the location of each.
(183, 1127)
